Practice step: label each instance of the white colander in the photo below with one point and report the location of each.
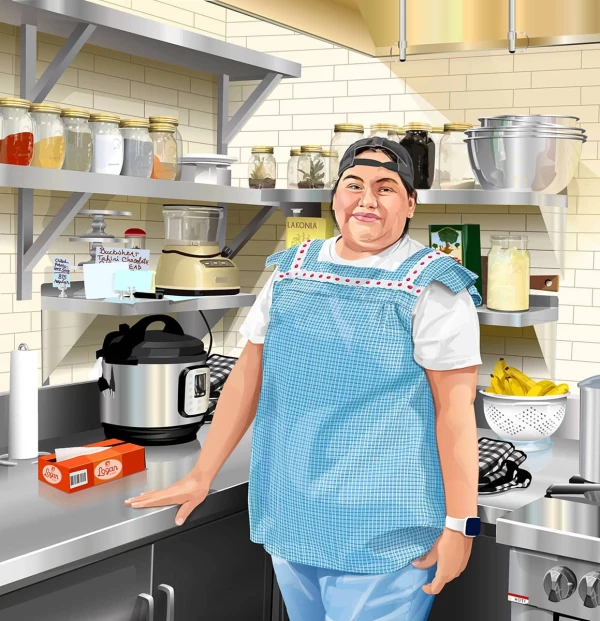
(524, 419)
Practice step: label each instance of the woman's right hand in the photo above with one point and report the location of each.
(188, 492)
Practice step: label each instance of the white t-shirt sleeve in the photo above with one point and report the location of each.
(445, 329)
(256, 323)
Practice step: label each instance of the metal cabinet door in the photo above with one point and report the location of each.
(216, 572)
(104, 591)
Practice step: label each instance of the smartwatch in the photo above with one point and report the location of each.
(469, 526)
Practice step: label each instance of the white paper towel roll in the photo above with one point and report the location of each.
(23, 404)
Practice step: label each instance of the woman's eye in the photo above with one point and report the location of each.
(386, 190)
(354, 186)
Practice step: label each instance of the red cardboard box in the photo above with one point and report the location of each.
(119, 460)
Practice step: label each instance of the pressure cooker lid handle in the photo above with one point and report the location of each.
(172, 326)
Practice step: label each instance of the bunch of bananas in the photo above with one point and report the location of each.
(507, 380)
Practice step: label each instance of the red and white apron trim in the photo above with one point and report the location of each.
(406, 284)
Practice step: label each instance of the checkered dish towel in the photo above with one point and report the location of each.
(220, 368)
(499, 467)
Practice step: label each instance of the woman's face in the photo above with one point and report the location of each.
(371, 204)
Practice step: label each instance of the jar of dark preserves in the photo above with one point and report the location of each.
(422, 152)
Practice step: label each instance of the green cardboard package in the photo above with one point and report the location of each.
(462, 242)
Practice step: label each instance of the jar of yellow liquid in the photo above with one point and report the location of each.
(508, 273)
(48, 136)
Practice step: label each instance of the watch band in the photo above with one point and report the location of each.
(460, 525)
(456, 523)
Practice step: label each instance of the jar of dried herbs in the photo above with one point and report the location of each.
(262, 168)
(311, 167)
(292, 168)
(332, 164)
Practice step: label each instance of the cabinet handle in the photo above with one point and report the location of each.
(170, 593)
(144, 608)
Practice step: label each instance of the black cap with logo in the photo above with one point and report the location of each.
(401, 164)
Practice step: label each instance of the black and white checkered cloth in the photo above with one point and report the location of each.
(499, 467)
(220, 368)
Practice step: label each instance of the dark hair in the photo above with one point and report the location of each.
(410, 191)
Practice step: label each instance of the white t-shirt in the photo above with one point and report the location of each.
(445, 326)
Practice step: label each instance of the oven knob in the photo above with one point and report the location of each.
(589, 589)
(559, 583)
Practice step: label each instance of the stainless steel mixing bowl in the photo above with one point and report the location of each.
(513, 119)
(531, 161)
(525, 128)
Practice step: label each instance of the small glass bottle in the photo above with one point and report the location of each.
(78, 140)
(108, 144)
(292, 168)
(138, 159)
(172, 120)
(48, 136)
(437, 133)
(262, 168)
(508, 273)
(332, 165)
(165, 151)
(16, 132)
(344, 135)
(311, 167)
(456, 172)
(422, 152)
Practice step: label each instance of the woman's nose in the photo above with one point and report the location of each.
(369, 199)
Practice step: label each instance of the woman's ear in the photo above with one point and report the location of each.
(412, 204)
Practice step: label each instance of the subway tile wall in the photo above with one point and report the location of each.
(336, 85)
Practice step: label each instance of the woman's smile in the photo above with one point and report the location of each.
(363, 216)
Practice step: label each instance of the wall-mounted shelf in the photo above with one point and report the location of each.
(542, 309)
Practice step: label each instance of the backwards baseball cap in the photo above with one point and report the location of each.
(401, 161)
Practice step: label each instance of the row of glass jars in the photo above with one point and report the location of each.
(50, 137)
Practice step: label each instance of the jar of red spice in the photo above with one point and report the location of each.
(16, 137)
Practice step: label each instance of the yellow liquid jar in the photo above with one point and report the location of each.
(508, 273)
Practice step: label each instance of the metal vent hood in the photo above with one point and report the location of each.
(371, 26)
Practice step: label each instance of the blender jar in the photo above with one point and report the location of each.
(189, 225)
(508, 273)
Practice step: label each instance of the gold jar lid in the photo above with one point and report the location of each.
(162, 127)
(295, 152)
(311, 148)
(400, 129)
(384, 127)
(172, 120)
(74, 113)
(438, 129)
(328, 153)
(101, 117)
(44, 108)
(131, 123)
(457, 127)
(14, 102)
(417, 126)
(349, 127)
(262, 149)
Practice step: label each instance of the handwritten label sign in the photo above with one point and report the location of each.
(137, 260)
(61, 273)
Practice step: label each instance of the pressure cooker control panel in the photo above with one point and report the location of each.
(216, 263)
(194, 389)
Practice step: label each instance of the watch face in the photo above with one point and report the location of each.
(472, 527)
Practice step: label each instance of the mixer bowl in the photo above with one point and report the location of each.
(529, 119)
(534, 161)
(523, 128)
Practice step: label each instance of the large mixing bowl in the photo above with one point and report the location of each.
(513, 119)
(524, 128)
(527, 162)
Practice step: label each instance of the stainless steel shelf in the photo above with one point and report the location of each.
(141, 36)
(542, 309)
(71, 304)
(433, 197)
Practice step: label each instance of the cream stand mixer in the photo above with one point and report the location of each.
(191, 264)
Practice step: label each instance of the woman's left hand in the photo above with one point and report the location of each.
(451, 553)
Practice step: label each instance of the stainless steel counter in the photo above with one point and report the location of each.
(44, 530)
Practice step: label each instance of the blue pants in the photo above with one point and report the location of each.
(314, 594)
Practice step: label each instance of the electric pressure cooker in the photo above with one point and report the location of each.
(155, 384)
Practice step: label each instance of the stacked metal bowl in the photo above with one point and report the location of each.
(534, 152)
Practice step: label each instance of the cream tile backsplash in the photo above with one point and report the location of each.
(337, 85)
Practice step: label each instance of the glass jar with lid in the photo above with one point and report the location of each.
(165, 151)
(421, 148)
(311, 167)
(16, 131)
(508, 273)
(455, 167)
(138, 149)
(385, 130)
(108, 144)
(191, 225)
(344, 135)
(172, 120)
(292, 168)
(332, 165)
(262, 168)
(437, 133)
(48, 136)
(78, 140)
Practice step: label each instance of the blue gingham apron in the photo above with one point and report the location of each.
(344, 472)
